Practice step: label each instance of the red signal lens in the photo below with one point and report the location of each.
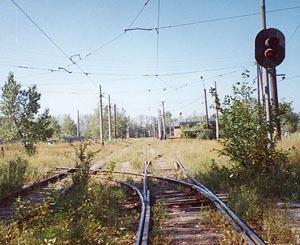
(270, 53)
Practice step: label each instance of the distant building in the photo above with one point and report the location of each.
(73, 139)
(51, 142)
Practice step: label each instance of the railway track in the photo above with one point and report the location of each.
(188, 205)
(34, 194)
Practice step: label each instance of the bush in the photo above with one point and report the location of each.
(199, 131)
(12, 175)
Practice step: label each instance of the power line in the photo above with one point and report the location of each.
(198, 81)
(119, 74)
(293, 33)
(210, 20)
(116, 37)
(41, 30)
(138, 15)
(51, 40)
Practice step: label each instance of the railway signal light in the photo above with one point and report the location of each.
(269, 48)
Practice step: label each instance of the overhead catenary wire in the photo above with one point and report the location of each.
(51, 40)
(121, 74)
(118, 36)
(208, 21)
(293, 34)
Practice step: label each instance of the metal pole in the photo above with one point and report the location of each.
(159, 124)
(78, 127)
(262, 88)
(115, 120)
(154, 128)
(206, 109)
(258, 84)
(266, 82)
(217, 113)
(101, 116)
(274, 98)
(164, 120)
(109, 120)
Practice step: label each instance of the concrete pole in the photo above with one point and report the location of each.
(115, 120)
(206, 109)
(154, 128)
(164, 120)
(274, 98)
(78, 127)
(217, 113)
(101, 116)
(159, 124)
(109, 120)
(258, 84)
(266, 82)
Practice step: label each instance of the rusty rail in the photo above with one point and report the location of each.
(249, 236)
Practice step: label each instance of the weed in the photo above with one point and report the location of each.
(12, 175)
(159, 214)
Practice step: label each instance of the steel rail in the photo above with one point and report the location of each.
(247, 233)
(146, 193)
(238, 224)
(139, 235)
(33, 186)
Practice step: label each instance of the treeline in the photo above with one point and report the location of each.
(22, 122)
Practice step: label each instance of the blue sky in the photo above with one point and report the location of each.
(217, 50)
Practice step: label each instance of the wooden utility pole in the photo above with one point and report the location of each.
(159, 124)
(266, 82)
(109, 120)
(78, 127)
(101, 116)
(217, 113)
(206, 109)
(115, 120)
(164, 120)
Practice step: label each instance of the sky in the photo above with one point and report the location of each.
(171, 51)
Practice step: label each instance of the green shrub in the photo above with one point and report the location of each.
(199, 131)
(12, 175)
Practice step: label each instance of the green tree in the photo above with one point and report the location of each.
(55, 127)
(245, 140)
(289, 119)
(20, 119)
(68, 126)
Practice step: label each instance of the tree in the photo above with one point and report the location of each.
(20, 119)
(55, 127)
(245, 140)
(289, 119)
(68, 126)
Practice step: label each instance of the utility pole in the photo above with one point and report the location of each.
(258, 84)
(109, 120)
(78, 127)
(101, 116)
(206, 109)
(154, 128)
(159, 124)
(115, 120)
(262, 88)
(217, 113)
(266, 83)
(164, 120)
(274, 98)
